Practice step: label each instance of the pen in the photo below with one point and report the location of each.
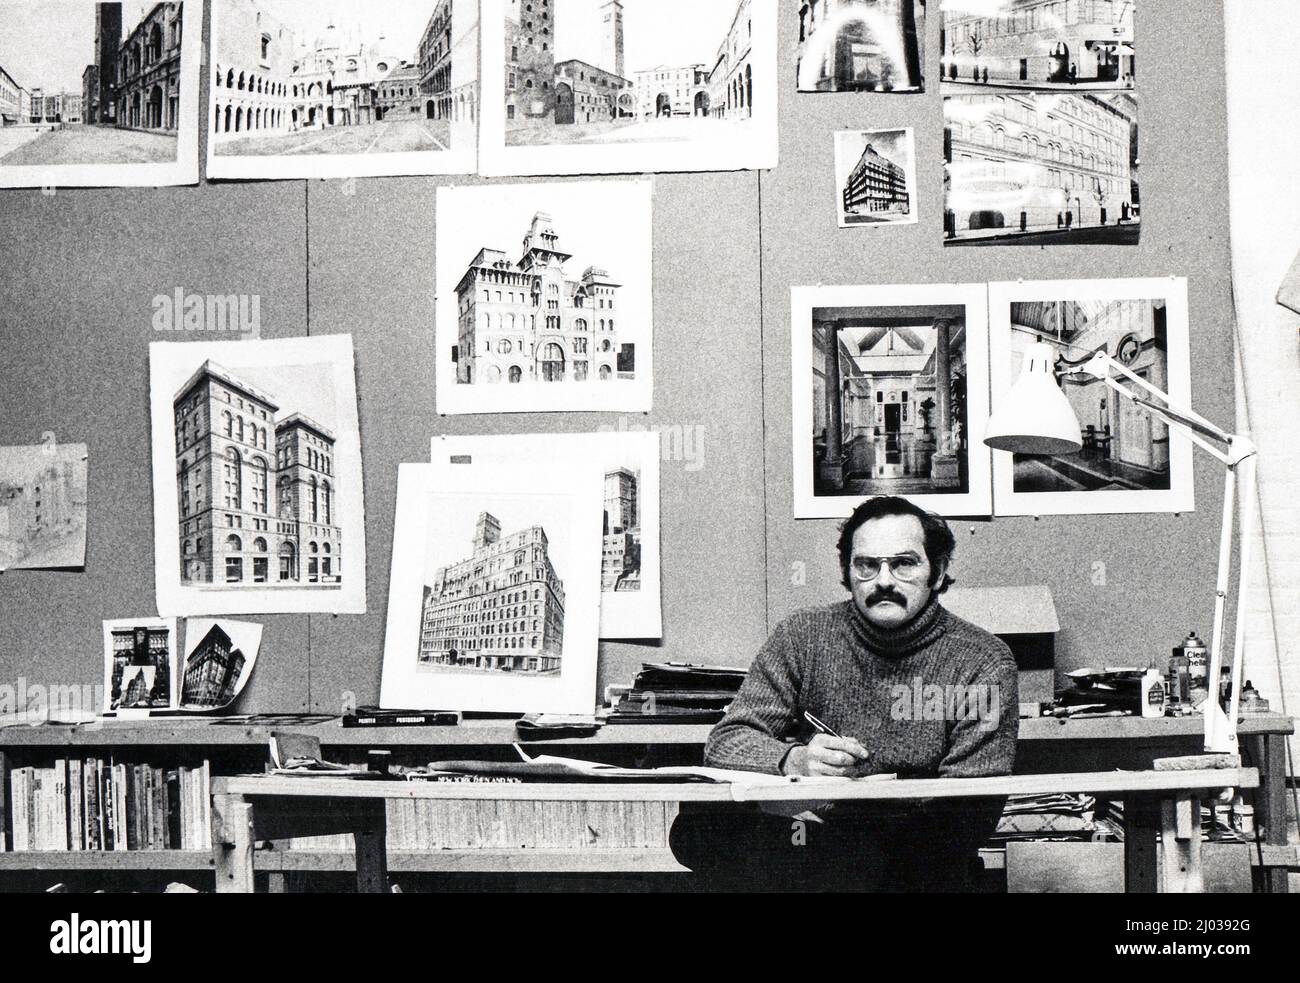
(820, 726)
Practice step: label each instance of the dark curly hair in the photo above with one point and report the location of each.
(940, 543)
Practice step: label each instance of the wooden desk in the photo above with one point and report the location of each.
(1163, 806)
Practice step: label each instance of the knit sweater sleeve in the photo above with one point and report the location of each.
(983, 739)
(760, 726)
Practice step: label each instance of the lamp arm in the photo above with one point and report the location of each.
(1190, 429)
(1101, 365)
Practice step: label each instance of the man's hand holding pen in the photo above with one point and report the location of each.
(828, 754)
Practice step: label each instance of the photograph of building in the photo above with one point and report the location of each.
(501, 609)
(212, 671)
(523, 321)
(299, 77)
(860, 46)
(875, 175)
(1041, 167)
(256, 486)
(139, 666)
(889, 391)
(624, 71)
(1038, 44)
(43, 507)
(621, 559)
(109, 93)
(1125, 448)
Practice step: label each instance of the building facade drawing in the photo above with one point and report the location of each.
(149, 72)
(257, 492)
(141, 676)
(858, 45)
(448, 62)
(12, 108)
(876, 184)
(500, 609)
(523, 321)
(621, 558)
(212, 671)
(1042, 44)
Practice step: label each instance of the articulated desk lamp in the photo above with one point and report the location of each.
(1036, 418)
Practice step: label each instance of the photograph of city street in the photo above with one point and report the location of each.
(1036, 168)
(875, 177)
(304, 80)
(91, 83)
(43, 507)
(257, 477)
(893, 398)
(1049, 45)
(1127, 462)
(861, 46)
(139, 665)
(561, 321)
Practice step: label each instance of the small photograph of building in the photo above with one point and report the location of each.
(1045, 45)
(498, 607)
(1125, 448)
(138, 665)
(1032, 168)
(860, 46)
(295, 77)
(889, 392)
(108, 92)
(220, 658)
(875, 177)
(256, 479)
(43, 499)
(626, 71)
(621, 559)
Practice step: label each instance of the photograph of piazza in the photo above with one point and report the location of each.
(256, 483)
(300, 77)
(875, 177)
(1045, 45)
(499, 605)
(1034, 168)
(860, 46)
(1125, 448)
(90, 83)
(43, 507)
(889, 410)
(627, 71)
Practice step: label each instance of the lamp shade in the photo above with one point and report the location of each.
(1035, 417)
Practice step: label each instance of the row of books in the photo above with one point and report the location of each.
(436, 824)
(97, 804)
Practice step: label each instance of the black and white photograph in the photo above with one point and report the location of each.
(302, 89)
(626, 466)
(1043, 45)
(139, 666)
(613, 86)
(860, 46)
(99, 94)
(890, 397)
(43, 498)
(494, 600)
(875, 178)
(544, 298)
(1127, 461)
(1041, 168)
(257, 477)
(219, 658)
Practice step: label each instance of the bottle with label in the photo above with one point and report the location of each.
(1180, 687)
(1198, 665)
(1152, 693)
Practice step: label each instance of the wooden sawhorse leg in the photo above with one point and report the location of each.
(1180, 838)
(232, 844)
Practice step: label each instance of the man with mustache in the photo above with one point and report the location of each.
(879, 670)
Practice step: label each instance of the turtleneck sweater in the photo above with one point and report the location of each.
(935, 697)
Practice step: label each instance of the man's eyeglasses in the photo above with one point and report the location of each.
(907, 567)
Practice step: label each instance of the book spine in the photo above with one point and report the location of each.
(121, 824)
(159, 810)
(18, 798)
(204, 840)
(171, 808)
(76, 803)
(6, 813)
(108, 802)
(90, 776)
(59, 806)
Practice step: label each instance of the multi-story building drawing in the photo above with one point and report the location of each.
(530, 61)
(253, 66)
(212, 671)
(857, 45)
(141, 675)
(398, 95)
(587, 94)
(731, 79)
(149, 71)
(621, 558)
(666, 90)
(876, 184)
(100, 80)
(523, 321)
(44, 505)
(448, 62)
(11, 100)
(1037, 161)
(257, 492)
(1041, 44)
(501, 608)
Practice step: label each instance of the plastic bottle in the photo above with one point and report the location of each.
(1180, 689)
(1152, 693)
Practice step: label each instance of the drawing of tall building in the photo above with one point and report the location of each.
(257, 497)
(530, 61)
(621, 556)
(501, 609)
(100, 95)
(876, 184)
(212, 671)
(523, 321)
(141, 663)
(149, 71)
(611, 37)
